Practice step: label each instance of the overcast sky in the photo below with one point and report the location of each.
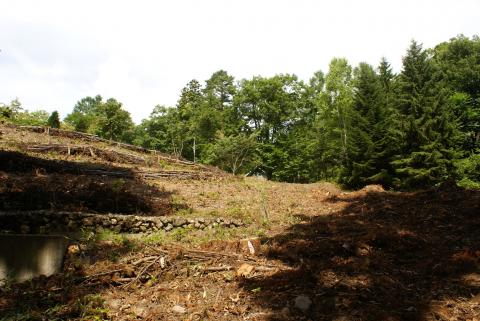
(142, 53)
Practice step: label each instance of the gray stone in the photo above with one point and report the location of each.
(87, 221)
(140, 311)
(285, 312)
(179, 309)
(48, 222)
(114, 303)
(179, 222)
(127, 224)
(303, 303)
(72, 224)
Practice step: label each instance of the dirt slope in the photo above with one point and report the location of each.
(319, 253)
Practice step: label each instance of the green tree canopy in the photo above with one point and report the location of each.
(54, 120)
(430, 130)
(113, 121)
(106, 119)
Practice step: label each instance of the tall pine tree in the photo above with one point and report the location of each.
(366, 116)
(429, 129)
(387, 137)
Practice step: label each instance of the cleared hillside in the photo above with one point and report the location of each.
(306, 252)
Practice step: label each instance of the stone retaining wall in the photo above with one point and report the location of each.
(45, 222)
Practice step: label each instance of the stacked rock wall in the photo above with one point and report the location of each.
(45, 222)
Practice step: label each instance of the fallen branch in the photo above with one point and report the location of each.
(106, 154)
(142, 272)
(175, 174)
(114, 156)
(157, 250)
(87, 277)
(214, 253)
(140, 261)
(122, 280)
(217, 268)
(94, 138)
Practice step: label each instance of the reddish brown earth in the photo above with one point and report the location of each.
(29, 183)
(325, 254)
(379, 256)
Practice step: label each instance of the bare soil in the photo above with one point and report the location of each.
(319, 253)
(378, 256)
(31, 183)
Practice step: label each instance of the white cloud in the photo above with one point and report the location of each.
(143, 52)
(115, 79)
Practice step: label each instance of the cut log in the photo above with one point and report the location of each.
(106, 154)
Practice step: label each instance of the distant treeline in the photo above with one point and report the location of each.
(356, 126)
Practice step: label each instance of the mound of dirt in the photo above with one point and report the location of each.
(373, 189)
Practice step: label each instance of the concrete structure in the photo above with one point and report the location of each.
(23, 257)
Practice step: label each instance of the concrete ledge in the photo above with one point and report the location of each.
(23, 257)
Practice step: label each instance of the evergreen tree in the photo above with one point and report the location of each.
(219, 90)
(375, 127)
(427, 154)
(387, 136)
(191, 98)
(385, 75)
(54, 120)
(366, 115)
(189, 108)
(219, 93)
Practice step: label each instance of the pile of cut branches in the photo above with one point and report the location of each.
(106, 154)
